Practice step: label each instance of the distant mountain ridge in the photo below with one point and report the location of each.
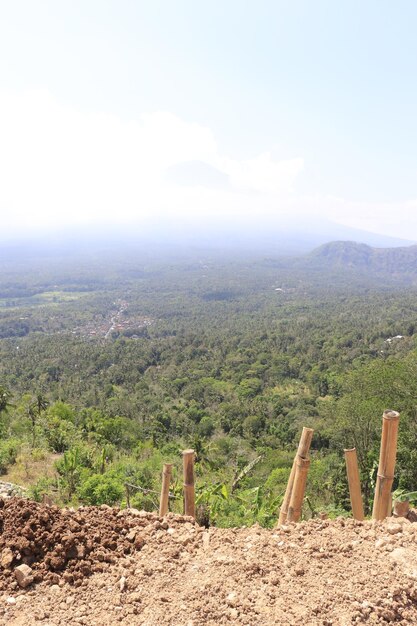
(360, 256)
(189, 237)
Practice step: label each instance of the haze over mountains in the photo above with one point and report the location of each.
(176, 238)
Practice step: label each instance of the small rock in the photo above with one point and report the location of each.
(11, 600)
(122, 583)
(394, 529)
(6, 558)
(23, 575)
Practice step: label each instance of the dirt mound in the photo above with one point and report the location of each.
(315, 573)
(63, 543)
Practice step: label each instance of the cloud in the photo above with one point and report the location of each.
(62, 167)
(263, 174)
(197, 174)
(396, 219)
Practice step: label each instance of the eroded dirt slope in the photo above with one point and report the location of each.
(102, 566)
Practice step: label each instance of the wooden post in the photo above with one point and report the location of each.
(302, 452)
(387, 456)
(389, 506)
(189, 493)
(283, 512)
(298, 490)
(354, 484)
(166, 479)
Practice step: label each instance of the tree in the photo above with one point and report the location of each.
(35, 410)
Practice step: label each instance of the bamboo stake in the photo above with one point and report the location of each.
(166, 479)
(354, 484)
(298, 490)
(387, 456)
(283, 512)
(305, 442)
(303, 448)
(189, 493)
(389, 506)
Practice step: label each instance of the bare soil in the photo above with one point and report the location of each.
(102, 566)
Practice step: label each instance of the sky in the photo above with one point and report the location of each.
(183, 111)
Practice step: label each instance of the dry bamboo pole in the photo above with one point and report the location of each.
(298, 490)
(283, 512)
(389, 506)
(354, 484)
(189, 492)
(387, 456)
(302, 452)
(166, 479)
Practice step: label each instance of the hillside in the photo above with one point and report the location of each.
(359, 256)
(104, 566)
(109, 370)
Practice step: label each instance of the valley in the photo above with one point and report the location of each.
(152, 358)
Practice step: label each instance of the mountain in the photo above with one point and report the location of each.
(192, 237)
(361, 257)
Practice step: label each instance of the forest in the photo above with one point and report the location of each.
(112, 364)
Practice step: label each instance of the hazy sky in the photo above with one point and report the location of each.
(148, 110)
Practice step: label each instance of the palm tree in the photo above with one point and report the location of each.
(35, 410)
(41, 403)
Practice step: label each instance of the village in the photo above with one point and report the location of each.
(120, 323)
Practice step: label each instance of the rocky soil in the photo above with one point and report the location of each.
(102, 566)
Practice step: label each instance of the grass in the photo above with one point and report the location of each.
(31, 465)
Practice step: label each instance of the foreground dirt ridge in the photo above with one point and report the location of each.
(104, 566)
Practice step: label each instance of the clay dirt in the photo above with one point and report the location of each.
(99, 566)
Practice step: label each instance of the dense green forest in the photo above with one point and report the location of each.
(111, 365)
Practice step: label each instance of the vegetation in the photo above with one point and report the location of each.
(109, 369)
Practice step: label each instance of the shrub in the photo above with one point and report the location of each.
(101, 489)
(8, 453)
